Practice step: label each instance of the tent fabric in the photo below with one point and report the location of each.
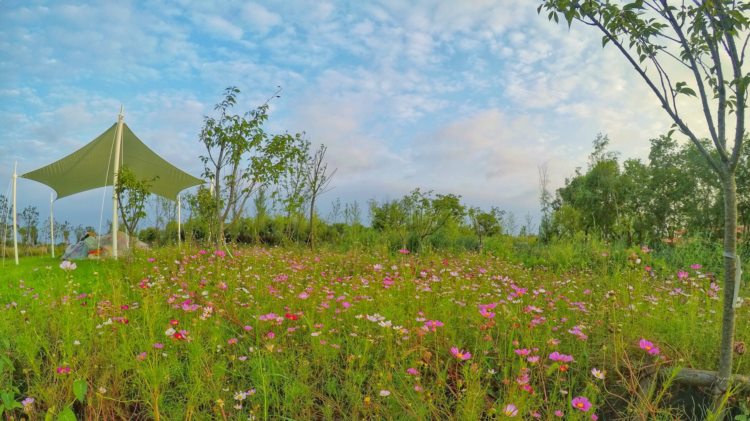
(86, 168)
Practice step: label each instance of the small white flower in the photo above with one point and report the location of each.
(385, 392)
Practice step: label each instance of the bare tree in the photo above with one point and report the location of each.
(318, 182)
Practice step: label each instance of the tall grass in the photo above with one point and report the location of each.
(285, 333)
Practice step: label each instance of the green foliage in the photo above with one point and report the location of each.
(241, 157)
(80, 387)
(132, 193)
(670, 197)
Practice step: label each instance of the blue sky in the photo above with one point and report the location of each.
(465, 97)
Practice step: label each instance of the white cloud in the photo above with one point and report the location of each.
(260, 19)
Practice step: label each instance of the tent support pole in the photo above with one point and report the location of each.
(15, 214)
(115, 174)
(52, 225)
(179, 221)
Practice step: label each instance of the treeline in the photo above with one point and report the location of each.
(415, 221)
(672, 196)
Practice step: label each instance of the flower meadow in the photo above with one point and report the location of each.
(256, 333)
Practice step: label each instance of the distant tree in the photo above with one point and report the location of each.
(242, 157)
(30, 219)
(335, 214)
(390, 217)
(352, 214)
(708, 39)
(5, 216)
(546, 229)
(65, 229)
(318, 181)
(485, 223)
(427, 213)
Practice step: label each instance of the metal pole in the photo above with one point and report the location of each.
(118, 146)
(15, 214)
(52, 224)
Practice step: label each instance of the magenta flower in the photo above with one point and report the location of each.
(649, 347)
(460, 354)
(581, 403)
(412, 371)
(682, 274)
(695, 266)
(404, 251)
(432, 325)
(556, 356)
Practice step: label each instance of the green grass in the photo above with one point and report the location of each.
(348, 328)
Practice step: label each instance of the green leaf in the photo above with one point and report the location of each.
(2, 409)
(66, 415)
(79, 389)
(49, 416)
(7, 398)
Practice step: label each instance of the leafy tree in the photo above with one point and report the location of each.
(708, 38)
(242, 157)
(596, 194)
(485, 223)
(202, 206)
(427, 213)
(132, 193)
(390, 217)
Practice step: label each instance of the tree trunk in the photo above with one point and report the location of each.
(312, 227)
(729, 186)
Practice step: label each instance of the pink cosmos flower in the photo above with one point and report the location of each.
(510, 410)
(404, 251)
(412, 371)
(649, 347)
(231, 341)
(460, 354)
(556, 356)
(63, 369)
(158, 345)
(142, 356)
(432, 325)
(599, 374)
(695, 266)
(581, 403)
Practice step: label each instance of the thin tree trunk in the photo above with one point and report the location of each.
(729, 185)
(312, 227)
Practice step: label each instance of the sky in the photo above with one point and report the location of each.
(466, 97)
